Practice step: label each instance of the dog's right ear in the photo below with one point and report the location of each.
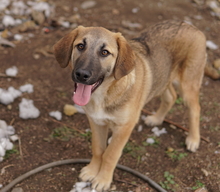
(64, 47)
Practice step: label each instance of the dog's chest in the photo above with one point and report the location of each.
(99, 115)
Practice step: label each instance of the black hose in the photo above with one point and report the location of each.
(78, 161)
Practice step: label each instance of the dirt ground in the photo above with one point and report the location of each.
(44, 140)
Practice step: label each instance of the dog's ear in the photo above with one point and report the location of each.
(126, 59)
(64, 47)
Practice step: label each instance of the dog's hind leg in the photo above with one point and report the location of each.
(167, 100)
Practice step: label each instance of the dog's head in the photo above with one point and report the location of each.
(94, 54)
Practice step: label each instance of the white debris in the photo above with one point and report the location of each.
(150, 140)
(82, 187)
(217, 152)
(1, 184)
(140, 128)
(135, 10)
(56, 114)
(8, 96)
(143, 117)
(18, 37)
(8, 21)
(4, 4)
(18, 8)
(109, 140)
(12, 71)
(65, 24)
(27, 88)
(5, 132)
(88, 4)
(79, 109)
(14, 138)
(158, 132)
(27, 110)
(198, 17)
(211, 45)
(41, 7)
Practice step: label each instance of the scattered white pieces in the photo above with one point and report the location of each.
(18, 37)
(158, 132)
(8, 96)
(65, 24)
(14, 138)
(109, 140)
(12, 71)
(79, 109)
(5, 132)
(41, 7)
(8, 21)
(211, 45)
(143, 117)
(18, 8)
(135, 10)
(82, 187)
(56, 114)
(150, 141)
(140, 128)
(27, 110)
(27, 88)
(1, 184)
(4, 4)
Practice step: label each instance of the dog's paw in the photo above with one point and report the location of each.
(152, 120)
(102, 182)
(192, 144)
(88, 173)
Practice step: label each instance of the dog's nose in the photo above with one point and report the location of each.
(82, 75)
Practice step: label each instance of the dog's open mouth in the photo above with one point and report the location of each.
(82, 92)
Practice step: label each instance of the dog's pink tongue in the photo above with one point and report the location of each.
(82, 95)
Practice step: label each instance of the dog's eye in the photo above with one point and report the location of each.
(80, 47)
(104, 53)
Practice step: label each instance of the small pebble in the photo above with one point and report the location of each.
(17, 189)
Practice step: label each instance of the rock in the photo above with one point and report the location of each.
(27, 26)
(38, 17)
(17, 189)
(170, 149)
(74, 18)
(88, 4)
(131, 25)
(8, 21)
(206, 173)
(69, 110)
(115, 12)
(217, 64)
(201, 190)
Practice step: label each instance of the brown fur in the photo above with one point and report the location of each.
(168, 53)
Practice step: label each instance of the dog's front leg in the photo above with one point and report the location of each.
(111, 156)
(99, 142)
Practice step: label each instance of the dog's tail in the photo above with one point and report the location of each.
(211, 72)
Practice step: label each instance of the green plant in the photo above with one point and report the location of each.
(10, 152)
(174, 155)
(62, 133)
(169, 182)
(199, 184)
(87, 135)
(134, 150)
(179, 101)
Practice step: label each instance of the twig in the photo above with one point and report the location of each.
(20, 149)
(7, 76)
(176, 124)
(6, 42)
(12, 121)
(121, 181)
(3, 169)
(68, 126)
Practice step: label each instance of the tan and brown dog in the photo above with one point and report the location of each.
(114, 79)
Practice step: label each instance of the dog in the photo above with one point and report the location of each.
(114, 78)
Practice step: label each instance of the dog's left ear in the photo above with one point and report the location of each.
(64, 47)
(126, 59)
